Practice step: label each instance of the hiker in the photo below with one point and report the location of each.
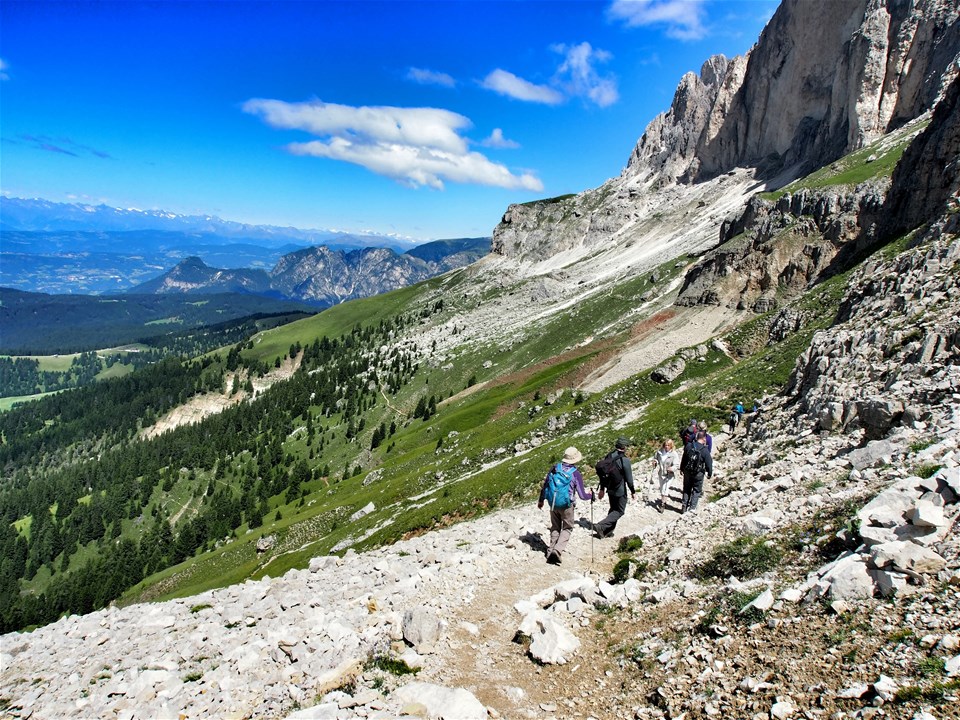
(688, 434)
(736, 415)
(616, 475)
(666, 462)
(695, 463)
(702, 427)
(558, 492)
(753, 417)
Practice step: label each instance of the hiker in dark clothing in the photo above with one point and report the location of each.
(689, 433)
(695, 464)
(616, 489)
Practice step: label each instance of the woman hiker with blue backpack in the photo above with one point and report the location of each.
(558, 493)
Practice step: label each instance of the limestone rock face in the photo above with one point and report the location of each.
(824, 79)
(808, 92)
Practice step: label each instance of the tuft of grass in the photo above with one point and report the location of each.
(928, 470)
(936, 692)
(899, 636)
(201, 606)
(746, 557)
(931, 666)
(388, 664)
(629, 544)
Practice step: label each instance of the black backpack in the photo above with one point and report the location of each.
(696, 464)
(610, 474)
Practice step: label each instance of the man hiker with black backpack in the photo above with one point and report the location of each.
(695, 463)
(616, 475)
(558, 492)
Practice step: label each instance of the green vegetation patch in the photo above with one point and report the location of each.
(855, 168)
(746, 557)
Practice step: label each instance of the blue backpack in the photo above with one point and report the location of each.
(557, 492)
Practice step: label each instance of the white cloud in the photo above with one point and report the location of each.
(579, 77)
(3, 69)
(683, 18)
(506, 83)
(430, 77)
(416, 146)
(497, 140)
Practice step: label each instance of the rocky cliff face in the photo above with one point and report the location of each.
(895, 351)
(776, 250)
(824, 79)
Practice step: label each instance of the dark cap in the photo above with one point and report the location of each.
(623, 443)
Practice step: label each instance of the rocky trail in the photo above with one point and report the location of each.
(451, 602)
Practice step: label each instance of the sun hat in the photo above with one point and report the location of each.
(623, 443)
(571, 456)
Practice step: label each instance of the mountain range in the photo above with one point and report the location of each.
(786, 235)
(321, 275)
(62, 248)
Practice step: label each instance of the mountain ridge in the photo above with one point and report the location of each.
(321, 275)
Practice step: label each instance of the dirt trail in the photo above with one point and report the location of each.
(497, 669)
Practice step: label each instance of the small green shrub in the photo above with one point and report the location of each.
(193, 677)
(201, 606)
(629, 544)
(746, 557)
(621, 571)
(928, 470)
(392, 665)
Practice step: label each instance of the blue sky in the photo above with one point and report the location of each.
(422, 119)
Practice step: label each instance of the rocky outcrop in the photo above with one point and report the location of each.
(773, 251)
(898, 332)
(926, 182)
(808, 92)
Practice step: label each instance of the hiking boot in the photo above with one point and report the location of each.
(660, 506)
(553, 558)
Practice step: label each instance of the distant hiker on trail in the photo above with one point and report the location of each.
(616, 475)
(695, 463)
(666, 463)
(702, 427)
(736, 415)
(557, 492)
(753, 417)
(688, 434)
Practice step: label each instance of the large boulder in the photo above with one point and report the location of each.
(906, 557)
(421, 627)
(435, 701)
(669, 371)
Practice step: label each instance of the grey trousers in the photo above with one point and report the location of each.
(561, 527)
